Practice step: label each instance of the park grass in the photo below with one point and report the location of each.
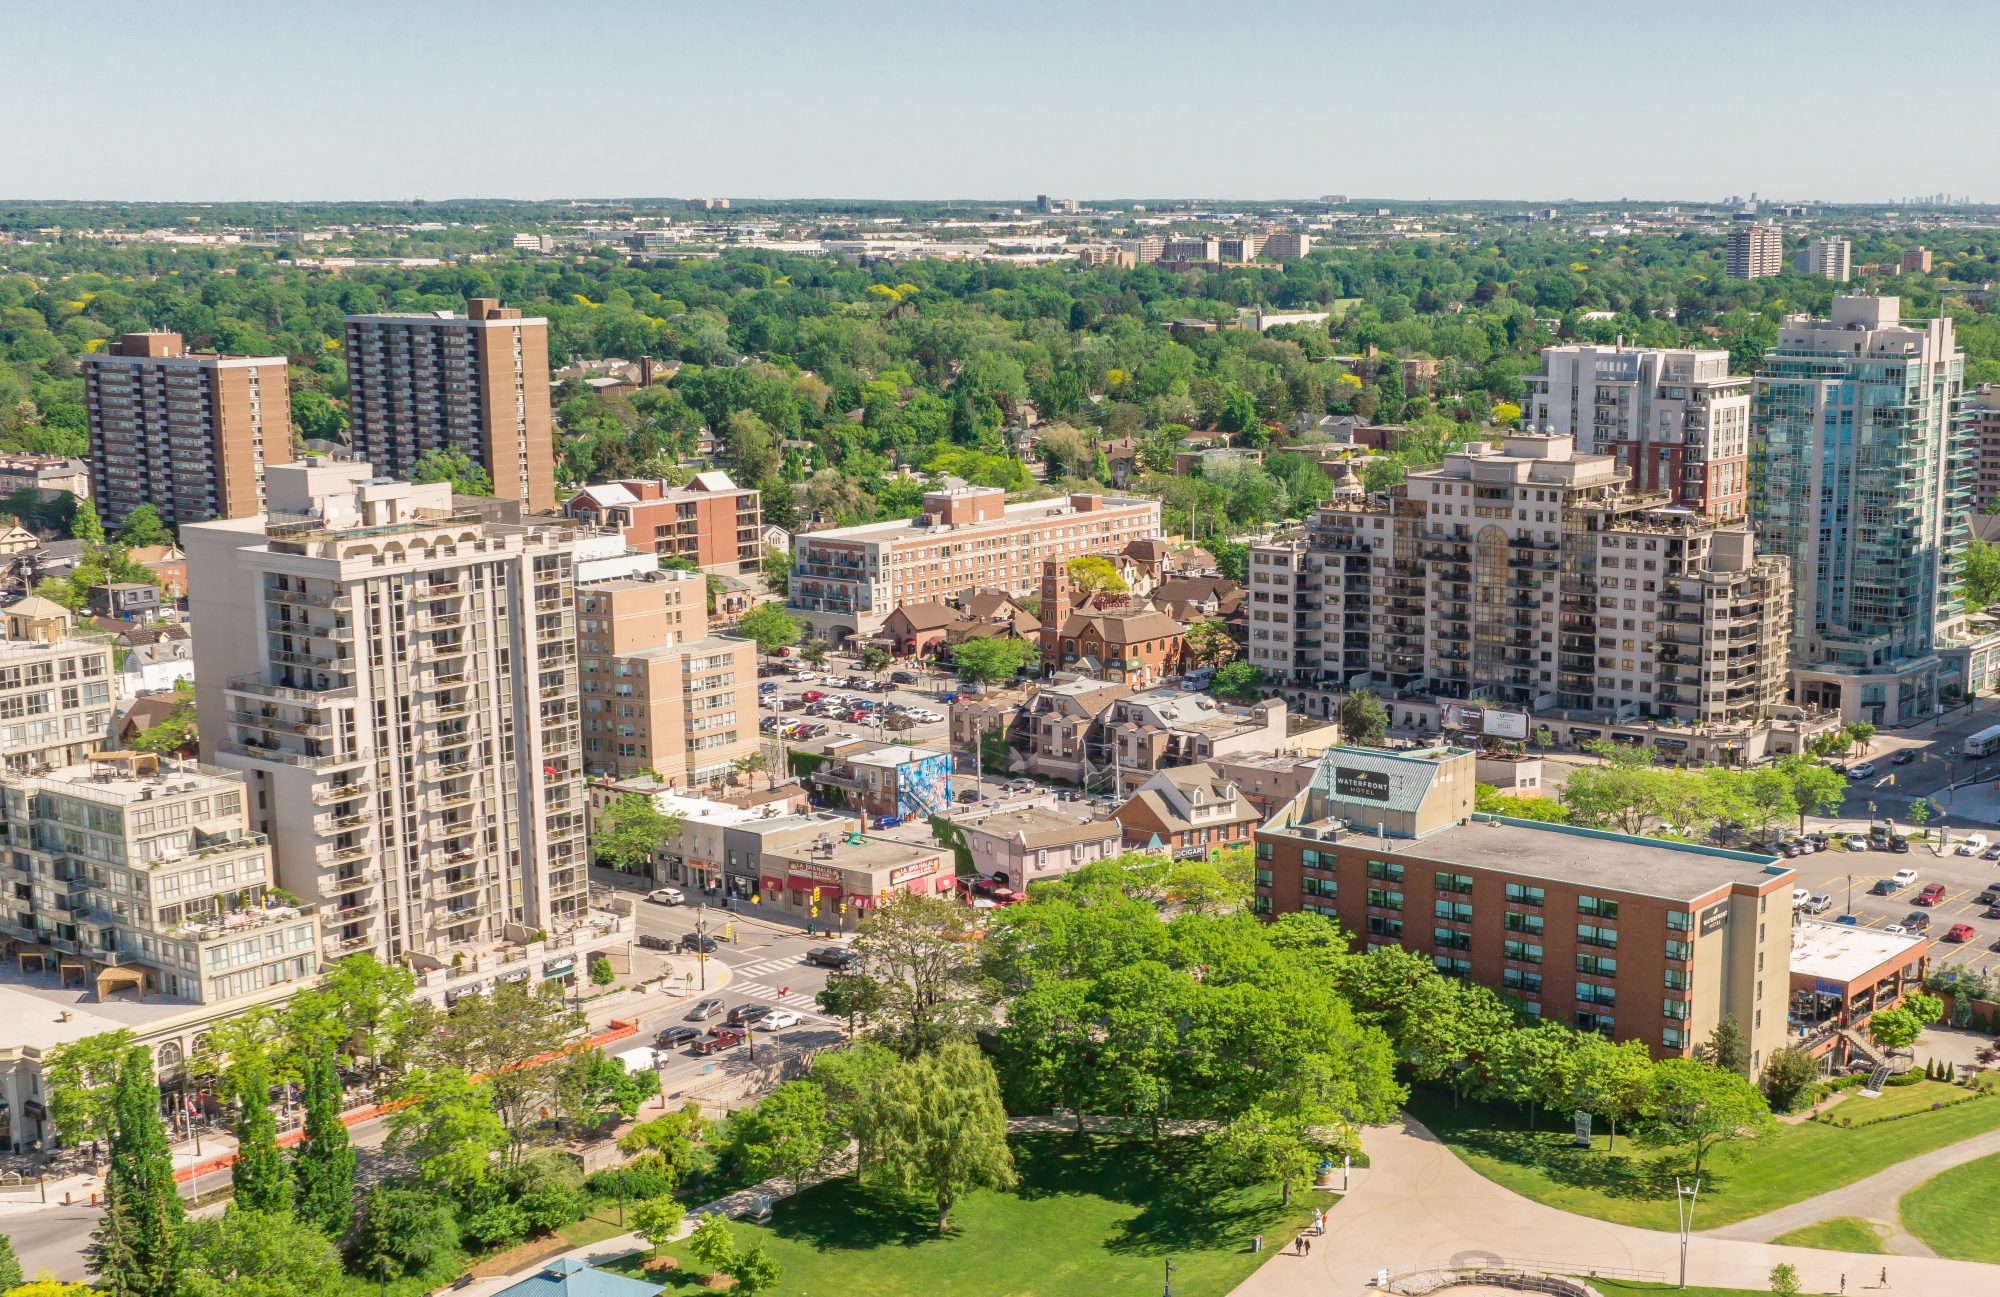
(1635, 1185)
(1896, 1101)
(1839, 1234)
(1092, 1215)
(1952, 1212)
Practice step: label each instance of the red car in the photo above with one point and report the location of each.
(1960, 932)
(1931, 895)
(720, 1039)
(811, 696)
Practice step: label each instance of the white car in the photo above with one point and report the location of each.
(1800, 896)
(667, 896)
(1972, 845)
(778, 1020)
(1861, 770)
(805, 677)
(1903, 877)
(1819, 904)
(1897, 930)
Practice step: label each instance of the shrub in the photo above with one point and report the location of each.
(600, 971)
(639, 1181)
(496, 1224)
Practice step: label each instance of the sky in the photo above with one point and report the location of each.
(1239, 99)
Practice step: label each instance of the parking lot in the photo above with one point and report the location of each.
(1843, 875)
(784, 695)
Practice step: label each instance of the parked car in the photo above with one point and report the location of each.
(1847, 920)
(1991, 853)
(1896, 930)
(1904, 757)
(1897, 842)
(835, 957)
(1820, 841)
(805, 677)
(1991, 896)
(1973, 845)
(1838, 767)
(1903, 877)
(1882, 887)
(1800, 896)
(1861, 770)
(1819, 904)
(720, 1039)
(905, 677)
(667, 896)
(748, 1015)
(1857, 842)
(698, 943)
(779, 1020)
(703, 1010)
(1960, 932)
(675, 1037)
(1916, 921)
(1931, 895)
(768, 670)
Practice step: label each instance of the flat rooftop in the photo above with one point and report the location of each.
(1583, 857)
(1837, 952)
(32, 1005)
(1013, 515)
(1042, 826)
(869, 853)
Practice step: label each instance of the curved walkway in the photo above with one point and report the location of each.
(1421, 1206)
(1871, 1198)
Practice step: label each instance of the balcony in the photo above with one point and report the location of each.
(327, 794)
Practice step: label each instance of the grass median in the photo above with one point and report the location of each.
(1952, 1212)
(1635, 1185)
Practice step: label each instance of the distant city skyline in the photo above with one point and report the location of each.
(1449, 100)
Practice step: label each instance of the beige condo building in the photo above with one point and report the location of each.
(397, 681)
(659, 693)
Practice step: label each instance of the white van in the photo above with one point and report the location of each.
(1800, 896)
(1973, 845)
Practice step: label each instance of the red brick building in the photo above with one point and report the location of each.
(1634, 938)
(712, 522)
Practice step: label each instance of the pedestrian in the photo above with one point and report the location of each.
(1843, 1282)
(784, 991)
(1309, 1244)
(1299, 1246)
(1885, 1276)
(1256, 1242)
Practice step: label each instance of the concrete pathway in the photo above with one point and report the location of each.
(1421, 1207)
(1871, 1198)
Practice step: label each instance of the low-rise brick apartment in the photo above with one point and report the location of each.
(1634, 938)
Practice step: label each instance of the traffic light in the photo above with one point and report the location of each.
(815, 911)
(843, 907)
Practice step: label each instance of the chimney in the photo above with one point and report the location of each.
(645, 371)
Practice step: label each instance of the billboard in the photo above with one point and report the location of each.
(1489, 721)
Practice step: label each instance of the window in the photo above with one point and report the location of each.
(1674, 1038)
(1460, 883)
(1385, 871)
(1382, 926)
(1529, 923)
(1680, 950)
(1451, 939)
(1519, 894)
(1603, 909)
(1678, 979)
(1386, 900)
(1525, 951)
(1263, 851)
(1601, 1023)
(1452, 967)
(1680, 921)
(1597, 965)
(1521, 979)
(1593, 936)
(1676, 1009)
(1456, 911)
(1591, 993)
(1325, 888)
(1263, 878)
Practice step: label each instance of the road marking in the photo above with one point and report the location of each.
(764, 966)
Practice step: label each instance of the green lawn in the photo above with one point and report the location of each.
(1636, 1185)
(1092, 1216)
(1895, 1100)
(1839, 1234)
(1953, 1210)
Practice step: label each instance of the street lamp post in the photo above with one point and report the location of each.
(1167, 1279)
(1684, 1199)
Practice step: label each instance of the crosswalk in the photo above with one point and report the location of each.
(763, 966)
(763, 991)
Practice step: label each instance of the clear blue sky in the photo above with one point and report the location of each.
(1536, 99)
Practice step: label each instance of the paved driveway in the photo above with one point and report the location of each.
(1419, 1206)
